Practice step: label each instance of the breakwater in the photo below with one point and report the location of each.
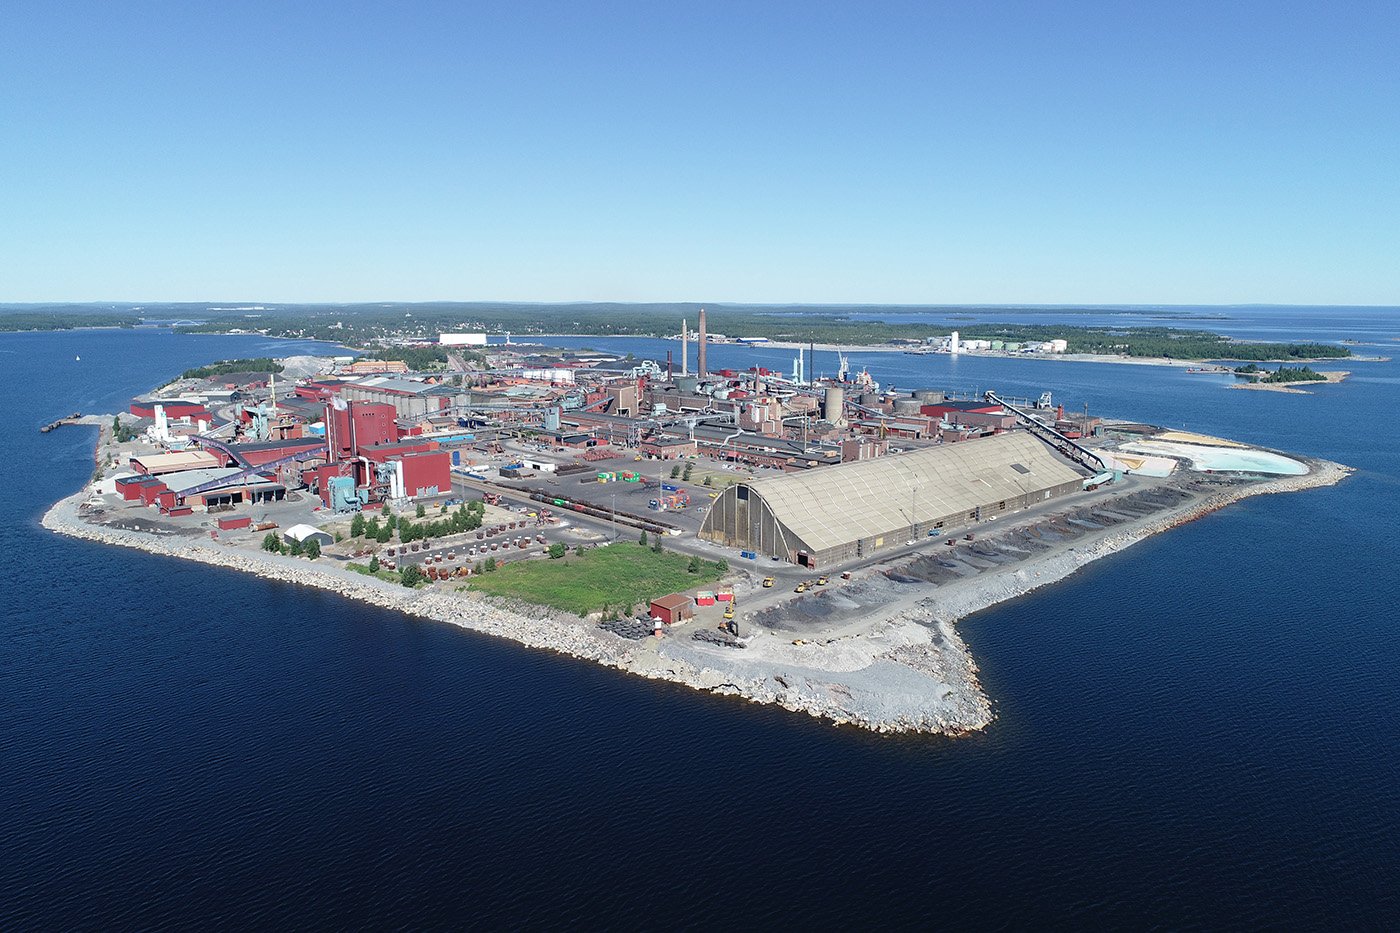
(910, 672)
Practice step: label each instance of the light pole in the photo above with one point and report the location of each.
(913, 525)
(614, 517)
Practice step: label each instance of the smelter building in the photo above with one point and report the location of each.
(852, 510)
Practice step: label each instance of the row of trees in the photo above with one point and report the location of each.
(1282, 374)
(467, 517)
(261, 364)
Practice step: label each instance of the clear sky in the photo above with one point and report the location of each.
(926, 152)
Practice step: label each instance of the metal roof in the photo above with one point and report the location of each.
(188, 479)
(182, 460)
(839, 504)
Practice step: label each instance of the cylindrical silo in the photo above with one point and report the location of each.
(834, 404)
(906, 406)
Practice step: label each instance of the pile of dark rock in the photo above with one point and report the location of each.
(635, 629)
(716, 637)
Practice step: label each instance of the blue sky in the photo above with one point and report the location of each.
(926, 152)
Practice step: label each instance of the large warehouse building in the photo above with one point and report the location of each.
(852, 510)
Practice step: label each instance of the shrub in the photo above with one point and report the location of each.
(420, 512)
(693, 566)
(642, 538)
(411, 575)
(557, 550)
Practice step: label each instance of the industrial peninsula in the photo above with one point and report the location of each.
(801, 541)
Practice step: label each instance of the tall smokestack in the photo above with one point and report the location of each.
(685, 349)
(700, 363)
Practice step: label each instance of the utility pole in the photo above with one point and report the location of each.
(913, 526)
(614, 516)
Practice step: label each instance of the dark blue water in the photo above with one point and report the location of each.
(1198, 732)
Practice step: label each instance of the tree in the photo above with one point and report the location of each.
(490, 565)
(709, 480)
(686, 475)
(372, 529)
(374, 564)
(411, 575)
(557, 550)
(385, 510)
(642, 538)
(675, 470)
(357, 525)
(313, 549)
(656, 544)
(420, 512)
(296, 549)
(385, 534)
(392, 522)
(694, 565)
(272, 543)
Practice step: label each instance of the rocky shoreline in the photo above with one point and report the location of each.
(909, 673)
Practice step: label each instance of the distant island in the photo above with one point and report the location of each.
(1284, 378)
(373, 326)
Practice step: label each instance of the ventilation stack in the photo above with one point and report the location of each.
(700, 362)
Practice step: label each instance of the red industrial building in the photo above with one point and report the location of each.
(359, 425)
(672, 609)
(427, 474)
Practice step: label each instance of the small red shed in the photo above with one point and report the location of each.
(672, 609)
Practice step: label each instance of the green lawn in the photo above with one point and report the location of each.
(617, 576)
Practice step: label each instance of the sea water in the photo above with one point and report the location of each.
(1197, 731)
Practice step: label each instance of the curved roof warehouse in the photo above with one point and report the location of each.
(851, 510)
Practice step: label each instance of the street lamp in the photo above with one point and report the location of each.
(913, 524)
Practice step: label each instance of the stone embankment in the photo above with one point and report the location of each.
(910, 674)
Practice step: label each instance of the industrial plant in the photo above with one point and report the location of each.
(487, 454)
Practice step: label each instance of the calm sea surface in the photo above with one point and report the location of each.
(1201, 731)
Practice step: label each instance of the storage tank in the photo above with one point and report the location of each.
(929, 396)
(834, 404)
(906, 406)
(870, 399)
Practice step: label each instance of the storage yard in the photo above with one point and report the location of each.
(706, 519)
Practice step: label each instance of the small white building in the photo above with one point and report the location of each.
(305, 533)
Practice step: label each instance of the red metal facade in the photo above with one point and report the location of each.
(427, 474)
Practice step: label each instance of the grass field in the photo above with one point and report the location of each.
(616, 576)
